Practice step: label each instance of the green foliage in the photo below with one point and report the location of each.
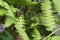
(54, 38)
(8, 21)
(21, 32)
(2, 11)
(6, 36)
(47, 18)
(8, 11)
(56, 5)
(35, 21)
(21, 2)
(35, 34)
(28, 22)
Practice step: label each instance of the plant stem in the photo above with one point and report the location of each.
(51, 33)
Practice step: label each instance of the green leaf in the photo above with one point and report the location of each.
(8, 21)
(49, 38)
(55, 38)
(2, 12)
(13, 9)
(3, 38)
(6, 36)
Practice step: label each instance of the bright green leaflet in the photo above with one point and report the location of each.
(8, 21)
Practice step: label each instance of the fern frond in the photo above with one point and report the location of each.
(10, 9)
(35, 34)
(7, 10)
(19, 27)
(56, 5)
(47, 18)
(21, 20)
